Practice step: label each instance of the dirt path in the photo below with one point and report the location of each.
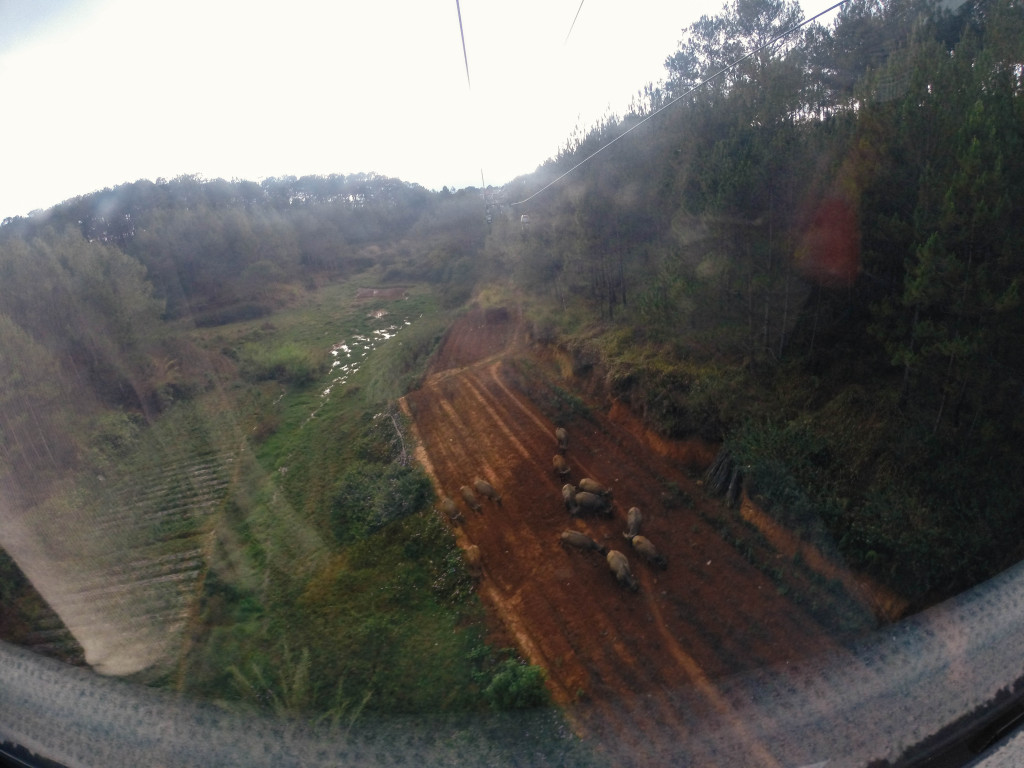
(616, 657)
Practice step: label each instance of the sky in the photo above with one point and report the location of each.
(103, 92)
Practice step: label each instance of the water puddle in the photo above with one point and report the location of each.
(349, 354)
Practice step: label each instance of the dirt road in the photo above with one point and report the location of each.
(617, 658)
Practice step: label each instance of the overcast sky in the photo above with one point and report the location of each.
(101, 92)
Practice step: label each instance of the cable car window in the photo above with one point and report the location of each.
(514, 427)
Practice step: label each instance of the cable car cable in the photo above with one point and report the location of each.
(465, 58)
(679, 98)
(462, 34)
(574, 21)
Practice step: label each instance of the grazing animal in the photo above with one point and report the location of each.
(563, 439)
(646, 549)
(620, 567)
(633, 519)
(591, 503)
(560, 464)
(474, 561)
(470, 498)
(486, 489)
(449, 508)
(581, 541)
(592, 486)
(569, 496)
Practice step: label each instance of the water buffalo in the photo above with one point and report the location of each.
(594, 487)
(449, 508)
(470, 498)
(569, 496)
(620, 567)
(474, 561)
(634, 519)
(486, 489)
(591, 503)
(560, 464)
(646, 549)
(563, 439)
(582, 541)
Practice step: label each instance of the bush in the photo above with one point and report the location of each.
(517, 686)
(369, 496)
(404, 490)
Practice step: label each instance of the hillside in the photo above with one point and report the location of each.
(813, 258)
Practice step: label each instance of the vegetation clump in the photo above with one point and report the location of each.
(517, 686)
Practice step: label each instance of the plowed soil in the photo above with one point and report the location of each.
(615, 658)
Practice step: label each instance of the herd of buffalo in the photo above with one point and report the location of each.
(588, 497)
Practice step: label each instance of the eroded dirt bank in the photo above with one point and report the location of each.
(616, 657)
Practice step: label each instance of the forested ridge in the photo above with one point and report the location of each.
(813, 258)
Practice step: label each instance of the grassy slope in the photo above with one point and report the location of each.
(387, 619)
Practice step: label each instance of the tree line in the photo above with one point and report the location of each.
(212, 245)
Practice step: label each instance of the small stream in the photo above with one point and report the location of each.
(349, 355)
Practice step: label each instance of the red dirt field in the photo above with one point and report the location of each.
(614, 657)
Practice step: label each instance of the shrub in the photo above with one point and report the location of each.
(369, 496)
(517, 686)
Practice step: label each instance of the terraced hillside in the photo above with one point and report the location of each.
(120, 564)
(122, 558)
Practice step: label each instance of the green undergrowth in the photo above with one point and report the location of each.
(556, 402)
(389, 624)
(677, 397)
(676, 390)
